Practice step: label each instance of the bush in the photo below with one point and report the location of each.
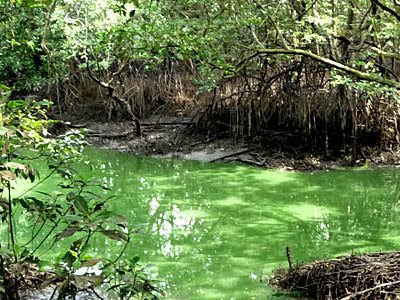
(75, 213)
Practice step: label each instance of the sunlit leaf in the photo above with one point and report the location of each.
(73, 253)
(44, 266)
(8, 175)
(14, 165)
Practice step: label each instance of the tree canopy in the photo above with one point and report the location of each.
(255, 49)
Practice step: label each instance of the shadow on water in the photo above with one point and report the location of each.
(213, 231)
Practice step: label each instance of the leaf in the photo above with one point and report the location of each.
(68, 232)
(44, 265)
(8, 175)
(69, 258)
(44, 193)
(23, 203)
(80, 281)
(81, 204)
(14, 165)
(121, 221)
(4, 204)
(14, 43)
(103, 216)
(76, 245)
(6, 147)
(45, 102)
(26, 171)
(91, 262)
(134, 260)
(5, 252)
(72, 218)
(15, 103)
(94, 279)
(30, 44)
(99, 206)
(27, 257)
(31, 175)
(115, 235)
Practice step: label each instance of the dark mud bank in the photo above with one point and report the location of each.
(172, 137)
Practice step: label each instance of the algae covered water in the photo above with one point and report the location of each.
(216, 231)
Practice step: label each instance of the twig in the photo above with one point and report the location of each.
(289, 257)
(370, 289)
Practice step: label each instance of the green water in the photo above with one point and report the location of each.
(214, 230)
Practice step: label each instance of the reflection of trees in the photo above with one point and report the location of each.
(365, 206)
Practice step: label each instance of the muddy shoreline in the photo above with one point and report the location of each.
(173, 137)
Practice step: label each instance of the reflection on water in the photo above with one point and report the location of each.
(214, 231)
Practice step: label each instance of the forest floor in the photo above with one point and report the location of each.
(173, 137)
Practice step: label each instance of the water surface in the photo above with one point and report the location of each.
(215, 231)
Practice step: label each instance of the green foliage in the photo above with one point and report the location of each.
(22, 64)
(76, 213)
(210, 33)
(46, 43)
(129, 279)
(365, 88)
(42, 39)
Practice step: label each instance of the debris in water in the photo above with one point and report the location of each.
(369, 276)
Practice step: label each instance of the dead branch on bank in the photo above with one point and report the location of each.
(371, 276)
(112, 95)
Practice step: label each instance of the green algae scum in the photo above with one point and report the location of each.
(217, 231)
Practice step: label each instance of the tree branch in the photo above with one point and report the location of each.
(387, 9)
(112, 95)
(356, 73)
(386, 54)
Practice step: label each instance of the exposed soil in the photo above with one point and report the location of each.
(174, 137)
